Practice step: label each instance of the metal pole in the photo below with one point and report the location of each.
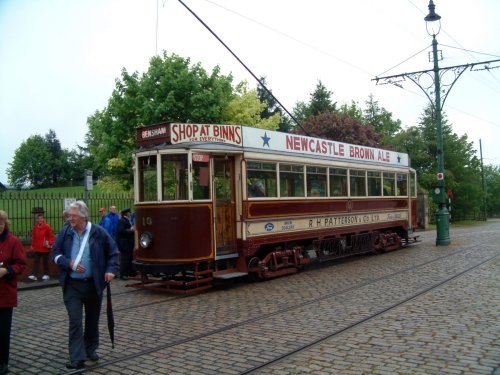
(482, 178)
(442, 214)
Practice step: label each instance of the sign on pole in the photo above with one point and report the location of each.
(88, 180)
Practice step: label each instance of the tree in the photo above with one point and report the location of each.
(380, 118)
(75, 162)
(246, 109)
(320, 102)
(56, 162)
(341, 127)
(353, 111)
(462, 172)
(272, 108)
(492, 185)
(172, 89)
(31, 163)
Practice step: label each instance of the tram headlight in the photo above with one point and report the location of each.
(146, 240)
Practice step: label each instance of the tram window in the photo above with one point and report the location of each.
(357, 182)
(147, 179)
(316, 181)
(174, 177)
(389, 184)
(374, 184)
(261, 179)
(402, 185)
(201, 180)
(338, 182)
(413, 185)
(291, 180)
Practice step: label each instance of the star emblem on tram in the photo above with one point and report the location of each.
(266, 140)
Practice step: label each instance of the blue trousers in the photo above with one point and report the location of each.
(79, 296)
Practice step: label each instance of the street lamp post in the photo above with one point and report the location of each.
(433, 23)
(437, 92)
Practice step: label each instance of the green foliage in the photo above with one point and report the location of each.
(492, 187)
(272, 108)
(462, 172)
(31, 163)
(172, 89)
(56, 163)
(341, 127)
(108, 185)
(320, 102)
(41, 162)
(246, 109)
(353, 111)
(380, 119)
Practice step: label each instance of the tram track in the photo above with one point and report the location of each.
(290, 308)
(169, 298)
(364, 320)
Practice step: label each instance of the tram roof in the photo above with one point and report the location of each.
(234, 138)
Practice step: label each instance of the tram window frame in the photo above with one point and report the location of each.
(338, 182)
(357, 182)
(261, 179)
(316, 181)
(200, 173)
(389, 189)
(180, 178)
(413, 184)
(374, 179)
(148, 172)
(401, 184)
(291, 180)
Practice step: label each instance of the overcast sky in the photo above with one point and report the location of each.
(59, 58)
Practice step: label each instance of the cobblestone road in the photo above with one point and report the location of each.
(420, 310)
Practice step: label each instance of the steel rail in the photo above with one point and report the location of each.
(299, 305)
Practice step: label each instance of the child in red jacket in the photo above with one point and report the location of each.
(42, 240)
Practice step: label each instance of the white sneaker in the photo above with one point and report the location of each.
(45, 277)
(32, 278)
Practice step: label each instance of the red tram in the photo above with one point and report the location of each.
(222, 201)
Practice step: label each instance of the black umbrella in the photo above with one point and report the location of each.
(111, 319)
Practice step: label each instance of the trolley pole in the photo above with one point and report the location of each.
(433, 93)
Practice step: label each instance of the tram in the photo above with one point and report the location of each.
(217, 201)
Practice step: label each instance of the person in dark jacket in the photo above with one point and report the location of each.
(88, 259)
(12, 263)
(125, 239)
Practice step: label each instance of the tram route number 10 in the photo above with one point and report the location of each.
(147, 221)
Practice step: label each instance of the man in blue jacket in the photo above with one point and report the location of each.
(105, 220)
(87, 257)
(113, 218)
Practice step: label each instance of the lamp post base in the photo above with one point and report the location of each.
(442, 226)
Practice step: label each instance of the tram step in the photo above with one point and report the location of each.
(229, 275)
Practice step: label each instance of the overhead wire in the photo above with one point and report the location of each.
(461, 47)
(244, 65)
(308, 45)
(402, 62)
(416, 93)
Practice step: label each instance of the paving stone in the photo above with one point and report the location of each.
(451, 329)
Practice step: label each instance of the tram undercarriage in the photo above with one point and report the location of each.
(266, 264)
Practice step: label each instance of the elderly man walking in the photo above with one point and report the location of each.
(88, 259)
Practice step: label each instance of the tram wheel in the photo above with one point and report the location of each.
(253, 263)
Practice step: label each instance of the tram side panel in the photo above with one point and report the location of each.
(180, 233)
(279, 222)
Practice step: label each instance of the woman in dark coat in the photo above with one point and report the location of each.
(12, 263)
